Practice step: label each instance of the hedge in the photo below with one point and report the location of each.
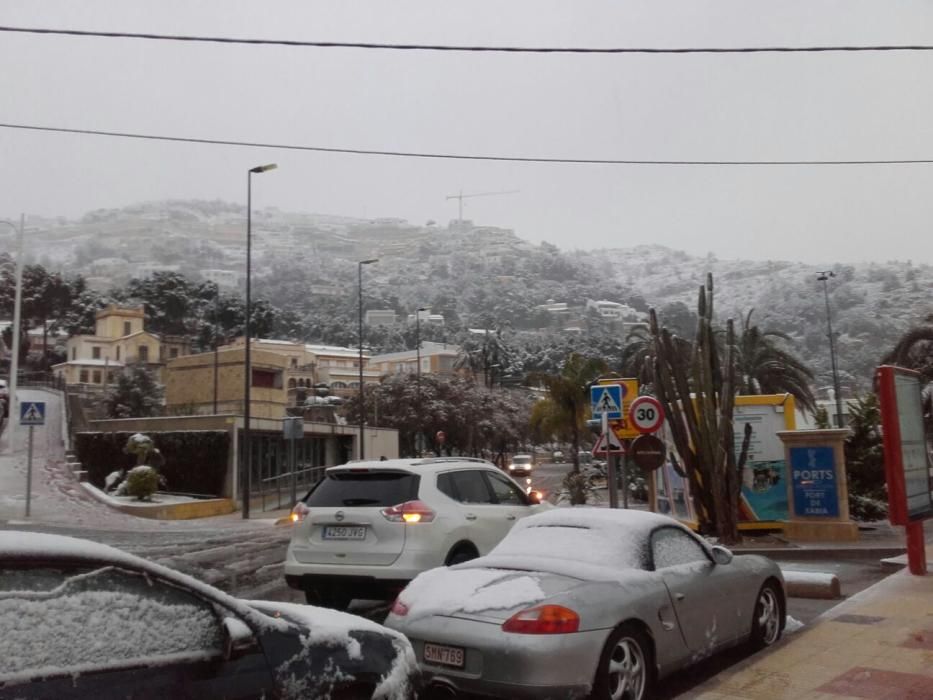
(195, 460)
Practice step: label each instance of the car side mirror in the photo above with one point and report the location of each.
(534, 498)
(239, 639)
(721, 555)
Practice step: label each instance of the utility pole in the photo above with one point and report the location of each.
(12, 406)
(419, 437)
(824, 278)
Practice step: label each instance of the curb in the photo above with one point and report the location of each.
(820, 553)
(207, 508)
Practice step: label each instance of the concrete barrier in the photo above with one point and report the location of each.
(810, 584)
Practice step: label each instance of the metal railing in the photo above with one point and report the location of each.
(43, 379)
(274, 489)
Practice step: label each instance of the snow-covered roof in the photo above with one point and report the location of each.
(335, 350)
(90, 363)
(270, 341)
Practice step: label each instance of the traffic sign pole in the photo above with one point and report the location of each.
(610, 465)
(624, 460)
(29, 472)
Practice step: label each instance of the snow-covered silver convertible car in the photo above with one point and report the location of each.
(586, 602)
(83, 620)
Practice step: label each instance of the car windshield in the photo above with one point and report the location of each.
(521, 459)
(363, 488)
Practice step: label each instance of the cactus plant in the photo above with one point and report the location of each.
(698, 396)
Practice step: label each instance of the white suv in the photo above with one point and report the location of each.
(367, 528)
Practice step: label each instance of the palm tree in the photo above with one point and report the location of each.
(762, 367)
(490, 357)
(568, 398)
(639, 354)
(915, 351)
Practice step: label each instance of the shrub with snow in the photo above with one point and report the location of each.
(866, 509)
(142, 482)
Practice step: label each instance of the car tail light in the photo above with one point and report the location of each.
(399, 608)
(543, 619)
(299, 512)
(409, 512)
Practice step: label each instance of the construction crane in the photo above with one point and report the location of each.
(460, 197)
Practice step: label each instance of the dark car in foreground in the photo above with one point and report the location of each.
(83, 620)
(586, 603)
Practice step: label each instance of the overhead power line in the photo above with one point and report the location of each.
(459, 156)
(465, 48)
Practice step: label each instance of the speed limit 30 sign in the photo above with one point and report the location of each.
(645, 414)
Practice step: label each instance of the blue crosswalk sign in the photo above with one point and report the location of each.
(32, 413)
(606, 399)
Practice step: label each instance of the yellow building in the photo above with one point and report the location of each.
(193, 382)
(284, 374)
(436, 358)
(119, 339)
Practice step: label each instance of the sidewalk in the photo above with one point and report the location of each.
(877, 644)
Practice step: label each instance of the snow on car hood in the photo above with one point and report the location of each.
(447, 591)
(332, 628)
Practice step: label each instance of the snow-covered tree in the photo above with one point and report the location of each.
(136, 394)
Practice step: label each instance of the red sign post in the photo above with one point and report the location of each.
(906, 461)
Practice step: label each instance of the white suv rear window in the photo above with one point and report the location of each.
(371, 488)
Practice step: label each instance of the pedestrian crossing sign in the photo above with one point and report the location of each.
(606, 400)
(32, 413)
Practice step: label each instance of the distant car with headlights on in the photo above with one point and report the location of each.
(83, 620)
(586, 603)
(521, 465)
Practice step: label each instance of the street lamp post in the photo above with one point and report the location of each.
(17, 320)
(247, 460)
(824, 278)
(419, 436)
(362, 393)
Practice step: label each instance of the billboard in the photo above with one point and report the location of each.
(763, 497)
(908, 468)
(764, 490)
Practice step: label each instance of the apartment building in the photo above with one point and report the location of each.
(436, 358)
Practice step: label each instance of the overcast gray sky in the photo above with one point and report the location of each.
(759, 106)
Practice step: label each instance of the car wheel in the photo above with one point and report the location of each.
(626, 667)
(766, 620)
(460, 555)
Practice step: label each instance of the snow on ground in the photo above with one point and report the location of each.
(793, 625)
(243, 557)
